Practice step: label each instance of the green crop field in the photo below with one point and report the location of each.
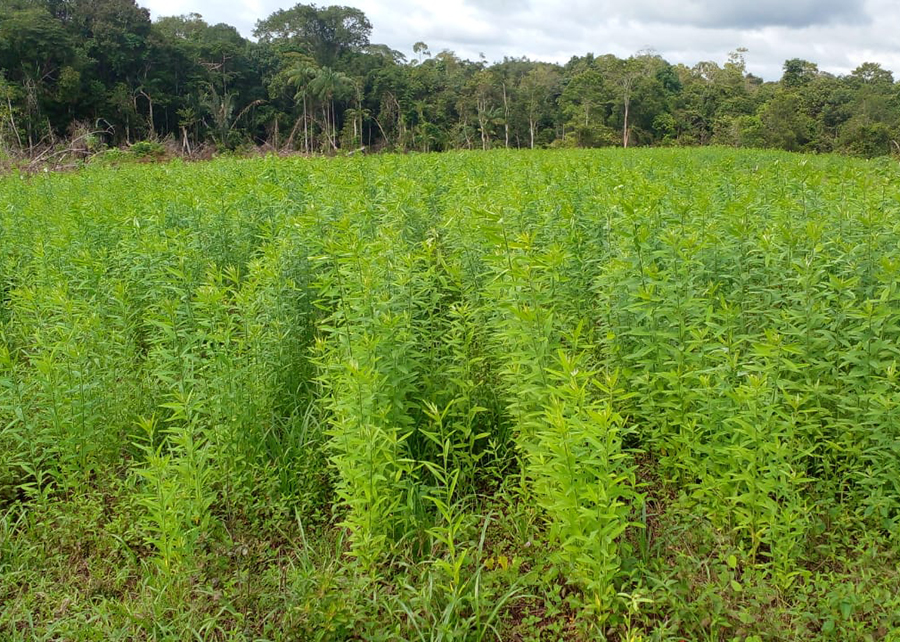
(573, 395)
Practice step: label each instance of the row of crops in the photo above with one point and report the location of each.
(471, 387)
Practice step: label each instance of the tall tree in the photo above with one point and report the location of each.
(584, 100)
(301, 72)
(324, 32)
(627, 75)
(798, 73)
(539, 88)
(327, 85)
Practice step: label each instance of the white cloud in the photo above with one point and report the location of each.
(836, 34)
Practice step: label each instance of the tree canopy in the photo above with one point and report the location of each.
(313, 81)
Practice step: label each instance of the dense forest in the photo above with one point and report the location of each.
(101, 72)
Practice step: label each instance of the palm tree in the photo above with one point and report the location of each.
(327, 85)
(300, 76)
(221, 108)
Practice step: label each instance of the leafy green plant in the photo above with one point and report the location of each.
(568, 394)
(147, 149)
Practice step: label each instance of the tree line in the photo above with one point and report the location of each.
(102, 71)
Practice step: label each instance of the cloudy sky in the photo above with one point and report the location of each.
(836, 34)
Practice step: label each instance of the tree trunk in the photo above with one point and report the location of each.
(289, 143)
(333, 126)
(625, 126)
(150, 104)
(482, 125)
(387, 141)
(12, 121)
(505, 117)
(305, 127)
(359, 115)
(531, 131)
